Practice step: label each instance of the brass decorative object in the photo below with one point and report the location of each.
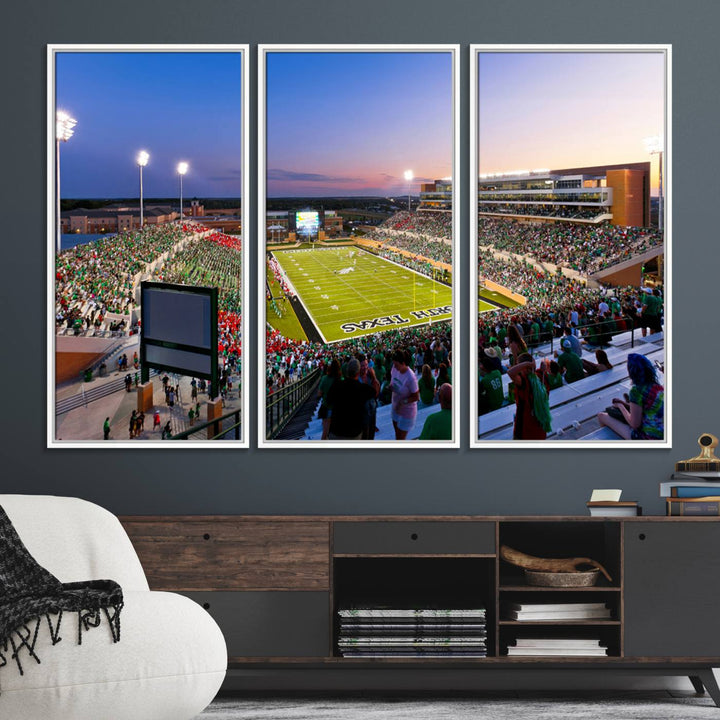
(551, 565)
(706, 461)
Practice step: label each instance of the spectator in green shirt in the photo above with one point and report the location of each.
(438, 426)
(426, 386)
(490, 395)
(570, 364)
(651, 311)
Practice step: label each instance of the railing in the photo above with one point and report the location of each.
(598, 334)
(218, 432)
(95, 392)
(91, 332)
(282, 405)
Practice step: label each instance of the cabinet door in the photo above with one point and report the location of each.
(672, 579)
(270, 624)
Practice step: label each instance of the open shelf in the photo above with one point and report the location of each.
(414, 583)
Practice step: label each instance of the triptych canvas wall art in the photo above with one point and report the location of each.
(358, 246)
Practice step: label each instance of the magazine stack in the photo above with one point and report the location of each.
(376, 632)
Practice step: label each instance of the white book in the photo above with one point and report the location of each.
(557, 642)
(560, 652)
(620, 511)
(542, 607)
(666, 487)
(600, 613)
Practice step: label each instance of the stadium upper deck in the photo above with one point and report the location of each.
(618, 193)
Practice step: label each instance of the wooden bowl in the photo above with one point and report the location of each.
(585, 578)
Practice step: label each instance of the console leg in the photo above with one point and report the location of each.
(697, 684)
(708, 680)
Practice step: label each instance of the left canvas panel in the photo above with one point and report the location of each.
(146, 172)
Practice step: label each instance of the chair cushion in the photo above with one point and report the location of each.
(168, 665)
(75, 540)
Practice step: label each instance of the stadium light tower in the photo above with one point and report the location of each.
(142, 161)
(654, 146)
(182, 168)
(408, 178)
(64, 130)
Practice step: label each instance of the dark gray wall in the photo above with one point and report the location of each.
(345, 481)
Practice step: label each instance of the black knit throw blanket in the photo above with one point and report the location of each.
(29, 595)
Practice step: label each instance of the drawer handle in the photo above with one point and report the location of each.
(206, 606)
(414, 536)
(206, 536)
(641, 536)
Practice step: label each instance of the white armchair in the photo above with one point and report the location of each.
(171, 658)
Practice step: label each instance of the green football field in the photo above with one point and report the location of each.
(349, 292)
(499, 298)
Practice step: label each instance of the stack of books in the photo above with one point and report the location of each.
(534, 612)
(375, 632)
(564, 647)
(692, 493)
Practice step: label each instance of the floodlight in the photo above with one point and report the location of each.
(142, 161)
(182, 168)
(64, 126)
(64, 130)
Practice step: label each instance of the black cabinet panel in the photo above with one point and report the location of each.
(271, 624)
(672, 581)
(414, 538)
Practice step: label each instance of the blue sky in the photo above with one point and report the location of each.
(175, 105)
(351, 123)
(568, 109)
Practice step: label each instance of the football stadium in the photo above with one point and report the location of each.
(585, 342)
(349, 292)
(368, 297)
(97, 323)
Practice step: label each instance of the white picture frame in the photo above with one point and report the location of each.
(53, 441)
(476, 433)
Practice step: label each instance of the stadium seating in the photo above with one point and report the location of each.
(579, 403)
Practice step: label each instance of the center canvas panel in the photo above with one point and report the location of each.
(357, 231)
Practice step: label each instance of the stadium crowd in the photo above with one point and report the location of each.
(437, 225)
(290, 360)
(570, 212)
(585, 248)
(214, 260)
(98, 277)
(279, 276)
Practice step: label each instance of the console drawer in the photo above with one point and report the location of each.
(410, 537)
(236, 554)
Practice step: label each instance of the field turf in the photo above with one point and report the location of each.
(349, 292)
(497, 297)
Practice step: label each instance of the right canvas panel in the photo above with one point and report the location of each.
(570, 246)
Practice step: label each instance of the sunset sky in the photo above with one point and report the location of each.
(178, 106)
(560, 110)
(351, 123)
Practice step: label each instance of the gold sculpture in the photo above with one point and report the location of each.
(706, 461)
